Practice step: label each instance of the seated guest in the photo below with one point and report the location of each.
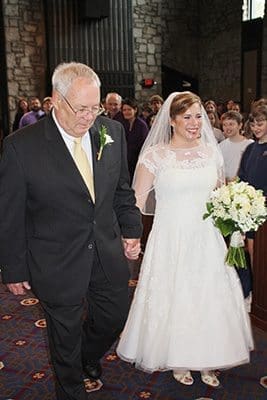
(136, 131)
(34, 115)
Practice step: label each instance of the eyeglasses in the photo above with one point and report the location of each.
(95, 110)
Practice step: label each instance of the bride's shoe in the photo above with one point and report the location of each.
(209, 378)
(183, 377)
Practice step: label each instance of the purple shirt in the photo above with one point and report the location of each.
(31, 117)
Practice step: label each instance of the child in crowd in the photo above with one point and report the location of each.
(253, 164)
(235, 143)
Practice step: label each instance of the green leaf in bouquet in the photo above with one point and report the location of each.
(206, 215)
(227, 227)
(209, 207)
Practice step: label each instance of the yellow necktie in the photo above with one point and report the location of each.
(83, 165)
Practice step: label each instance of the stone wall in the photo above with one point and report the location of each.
(198, 39)
(25, 50)
(147, 34)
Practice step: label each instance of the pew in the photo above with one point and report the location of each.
(259, 299)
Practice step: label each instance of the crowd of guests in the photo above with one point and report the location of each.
(30, 111)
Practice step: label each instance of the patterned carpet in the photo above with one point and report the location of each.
(25, 373)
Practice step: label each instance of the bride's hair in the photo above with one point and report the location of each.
(181, 102)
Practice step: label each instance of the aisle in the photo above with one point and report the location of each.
(25, 372)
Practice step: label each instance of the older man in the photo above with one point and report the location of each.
(113, 105)
(68, 219)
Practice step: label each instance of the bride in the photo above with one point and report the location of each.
(188, 312)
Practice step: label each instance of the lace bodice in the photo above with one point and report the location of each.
(157, 174)
(165, 156)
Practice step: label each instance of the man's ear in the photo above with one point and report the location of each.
(56, 99)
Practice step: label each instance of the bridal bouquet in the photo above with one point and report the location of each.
(236, 208)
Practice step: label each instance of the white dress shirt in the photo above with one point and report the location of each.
(69, 141)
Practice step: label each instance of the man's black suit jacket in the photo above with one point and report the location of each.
(49, 227)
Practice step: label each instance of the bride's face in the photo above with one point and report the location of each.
(187, 126)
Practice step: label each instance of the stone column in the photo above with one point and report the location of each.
(147, 46)
(25, 50)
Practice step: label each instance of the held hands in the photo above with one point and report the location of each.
(132, 248)
(18, 288)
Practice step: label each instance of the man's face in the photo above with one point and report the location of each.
(35, 105)
(113, 105)
(77, 117)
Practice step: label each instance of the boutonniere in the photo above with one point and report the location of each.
(104, 139)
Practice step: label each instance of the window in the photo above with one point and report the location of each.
(253, 9)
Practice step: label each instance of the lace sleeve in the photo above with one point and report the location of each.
(143, 183)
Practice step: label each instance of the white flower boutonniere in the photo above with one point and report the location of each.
(104, 139)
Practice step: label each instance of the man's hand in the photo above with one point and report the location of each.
(132, 248)
(18, 288)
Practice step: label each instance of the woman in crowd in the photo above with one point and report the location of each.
(188, 310)
(215, 123)
(22, 108)
(136, 131)
(210, 105)
(47, 105)
(146, 114)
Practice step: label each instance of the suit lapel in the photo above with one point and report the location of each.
(63, 160)
(94, 135)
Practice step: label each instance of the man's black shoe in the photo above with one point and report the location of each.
(93, 369)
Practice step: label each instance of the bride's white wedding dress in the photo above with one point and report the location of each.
(188, 310)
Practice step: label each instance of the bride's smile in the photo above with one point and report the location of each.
(187, 126)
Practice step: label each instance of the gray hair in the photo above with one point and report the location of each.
(111, 94)
(65, 73)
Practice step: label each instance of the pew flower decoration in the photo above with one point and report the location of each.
(235, 209)
(104, 140)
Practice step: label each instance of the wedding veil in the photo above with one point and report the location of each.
(160, 134)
